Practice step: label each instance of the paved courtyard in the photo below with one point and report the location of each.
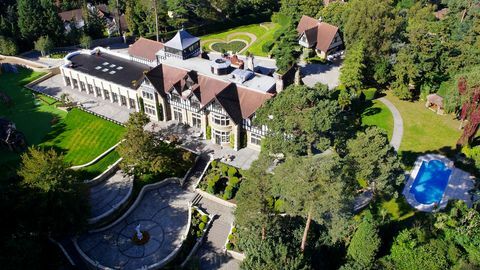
(54, 86)
(320, 73)
(162, 212)
(107, 195)
(242, 158)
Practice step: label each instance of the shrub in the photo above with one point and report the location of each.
(199, 234)
(234, 230)
(279, 208)
(204, 218)
(187, 156)
(214, 164)
(369, 93)
(228, 193)
(211, 186)
(201, 226)
(8, 46)
(267, 46)
(229, 246)
(232, 171)
(208, 133)
(232, 140)
(233, 181)
(224, 169)
(231, 237)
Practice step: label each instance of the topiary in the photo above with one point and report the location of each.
(211, 187)
(201, 226)
(204, 218)
(232, 171)
(227, 195)
(233, 181)
(230, 237)
(214, 164)
(234, 230)
(229, 246)
(224, 169)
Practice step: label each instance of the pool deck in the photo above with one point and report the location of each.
(458, 187)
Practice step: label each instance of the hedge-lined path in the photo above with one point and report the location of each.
(397, 124)
(212, 252)
(107, 195)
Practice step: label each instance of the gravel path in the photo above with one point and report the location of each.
(397, 124)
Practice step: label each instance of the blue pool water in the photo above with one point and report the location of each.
(431, 181)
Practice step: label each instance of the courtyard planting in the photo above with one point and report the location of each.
(222, 180)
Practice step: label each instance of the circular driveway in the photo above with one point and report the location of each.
(162, 212)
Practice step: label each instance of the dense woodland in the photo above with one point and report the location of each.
(298, 215)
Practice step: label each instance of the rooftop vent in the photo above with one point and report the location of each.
(220, 66)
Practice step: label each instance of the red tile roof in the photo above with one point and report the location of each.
(320, 32)
(145, 49)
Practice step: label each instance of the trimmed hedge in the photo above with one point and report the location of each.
(370, 93)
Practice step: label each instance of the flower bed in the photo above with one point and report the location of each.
(222, 180)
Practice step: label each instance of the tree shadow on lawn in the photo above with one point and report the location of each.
(408, 158)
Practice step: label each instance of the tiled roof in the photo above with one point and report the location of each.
(320, 32)
(71, 15)
(145, 49)
(239, 102)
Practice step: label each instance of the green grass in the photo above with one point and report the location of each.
(263, 35)
(398, 209)
(378, 115)
(79, 135)
(98, 167)
(83, 136)
(234, 46)
(424, 130)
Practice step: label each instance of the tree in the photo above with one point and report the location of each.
(38, 18)
(253, 212)
(373, 161)
(365, 243)
(344, 100)
(299, 119)
(334, 13)
(285, 50)
(7, 46)
(352, 72)
(56, 196)
(94, 23)
(44, 44)
(315, 188)
(271, 255)
(405, 72)
(86, 41)
(142, 152)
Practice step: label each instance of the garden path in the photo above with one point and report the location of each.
(212, 253)
(397, 124)
(109, 194)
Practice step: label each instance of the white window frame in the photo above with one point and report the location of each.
(220, 120)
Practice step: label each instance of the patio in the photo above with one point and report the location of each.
(191, 139)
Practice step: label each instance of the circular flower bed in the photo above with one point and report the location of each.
(143, 241)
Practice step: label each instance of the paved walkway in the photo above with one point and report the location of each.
(107, 195)
(397, 124)
(211, 253)
(321, 73)
(54, 86)
(242, 158)
(162, 212)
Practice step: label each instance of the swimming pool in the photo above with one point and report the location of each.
(430, 182)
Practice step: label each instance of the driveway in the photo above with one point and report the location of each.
(328, 74)
(162, 212)
(54, 87)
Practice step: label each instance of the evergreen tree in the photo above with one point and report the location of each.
(365, 243)
(352, 71)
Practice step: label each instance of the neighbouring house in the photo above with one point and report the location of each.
(76, 18)
(217, 97)
(145, 51)
(324, 38)
(435, 103)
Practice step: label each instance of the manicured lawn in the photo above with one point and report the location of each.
(79, 135)
(82, 136)
(378, 115)
(234, 46)
(424, 130)
(398, 209)
(263, 34)
(100, 166)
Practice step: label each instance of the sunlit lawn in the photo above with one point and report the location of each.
(378, 115)
(424, 130)
(263, 35)
(79, 135)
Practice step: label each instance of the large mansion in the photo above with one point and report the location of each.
(171, 82)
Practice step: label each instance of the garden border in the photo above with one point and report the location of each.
(76, 167)
(201, 239)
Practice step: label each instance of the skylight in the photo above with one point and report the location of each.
(119, 68)
(106, 63)
(105, 69)
(112, 72)
(98, 67)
